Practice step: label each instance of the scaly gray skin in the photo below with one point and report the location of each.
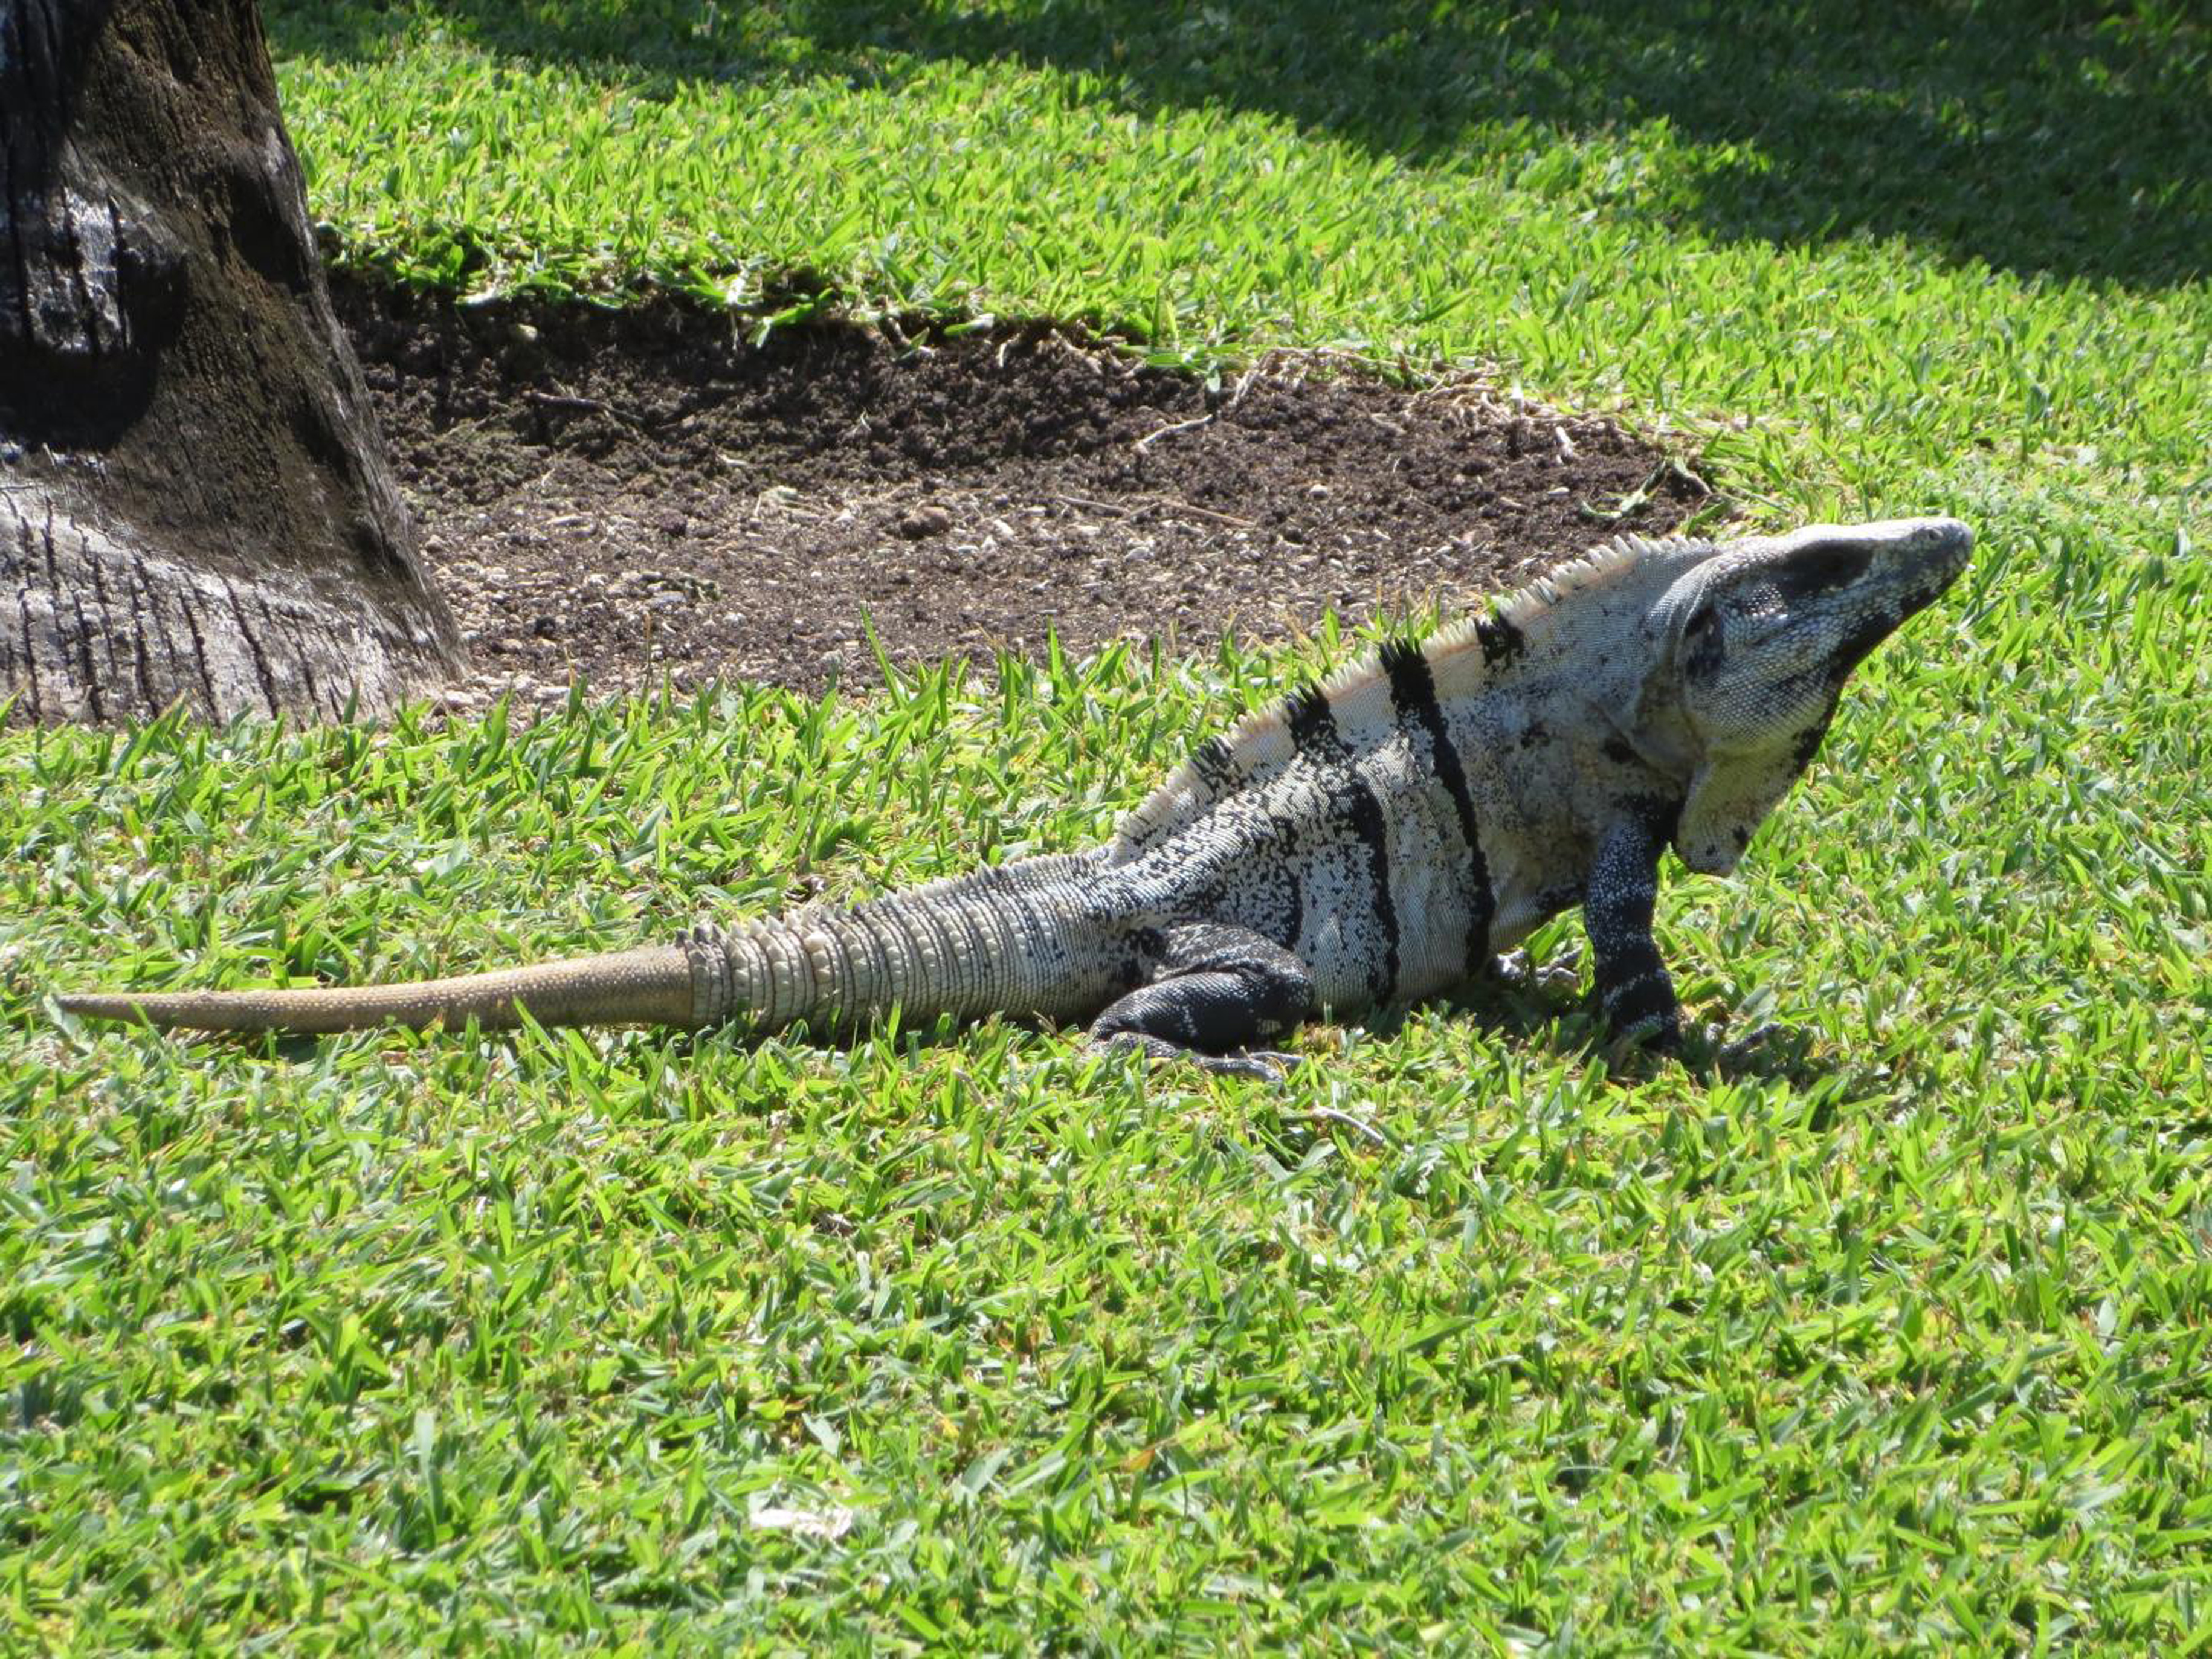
(1374, 839)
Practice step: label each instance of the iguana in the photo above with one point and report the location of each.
(1375, 837)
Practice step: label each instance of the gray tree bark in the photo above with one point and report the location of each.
(194, 498)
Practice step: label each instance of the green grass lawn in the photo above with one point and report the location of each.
(978, 1342)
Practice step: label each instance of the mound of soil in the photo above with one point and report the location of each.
(640, 496)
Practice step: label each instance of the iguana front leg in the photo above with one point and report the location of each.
(1633, 990)
(1214, 989)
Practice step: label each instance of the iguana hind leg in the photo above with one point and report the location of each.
(1215, 991)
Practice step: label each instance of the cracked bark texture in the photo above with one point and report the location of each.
(194, 498)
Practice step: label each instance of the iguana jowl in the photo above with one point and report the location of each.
(1375, 837)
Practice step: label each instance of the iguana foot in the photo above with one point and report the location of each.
(1216, 990)
(1561, 975)
(1268, 1064)
(1656, 1035)
(1739, 1054)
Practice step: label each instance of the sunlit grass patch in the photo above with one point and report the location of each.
(1462, 1338)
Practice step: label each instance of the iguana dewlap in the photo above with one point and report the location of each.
(1375, 838)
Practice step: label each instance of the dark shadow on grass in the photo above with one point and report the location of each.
(2053, 137)
(1566, 1025)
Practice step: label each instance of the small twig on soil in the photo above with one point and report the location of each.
(1173, 506)
(1165, 504)
(562, 400)
(1151, 438)
(569, 403)
(1088, 506)
(784, 499)
(1461, 390)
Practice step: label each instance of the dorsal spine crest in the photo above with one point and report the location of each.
(1464, 658)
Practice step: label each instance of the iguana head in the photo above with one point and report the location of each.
(1753, 647)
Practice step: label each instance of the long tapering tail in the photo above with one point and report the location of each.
(649, 986)
(1021, 939)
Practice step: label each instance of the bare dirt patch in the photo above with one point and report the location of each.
(641, 496)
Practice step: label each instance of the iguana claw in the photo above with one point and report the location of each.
(1268, 1064)
(1561, 976)
(1735, 1055)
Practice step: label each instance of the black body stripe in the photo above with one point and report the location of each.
(1313, 730)
(1312, 724)
(1214, 768)
(1413, 692)
(1501, 640)
(1366, 813)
